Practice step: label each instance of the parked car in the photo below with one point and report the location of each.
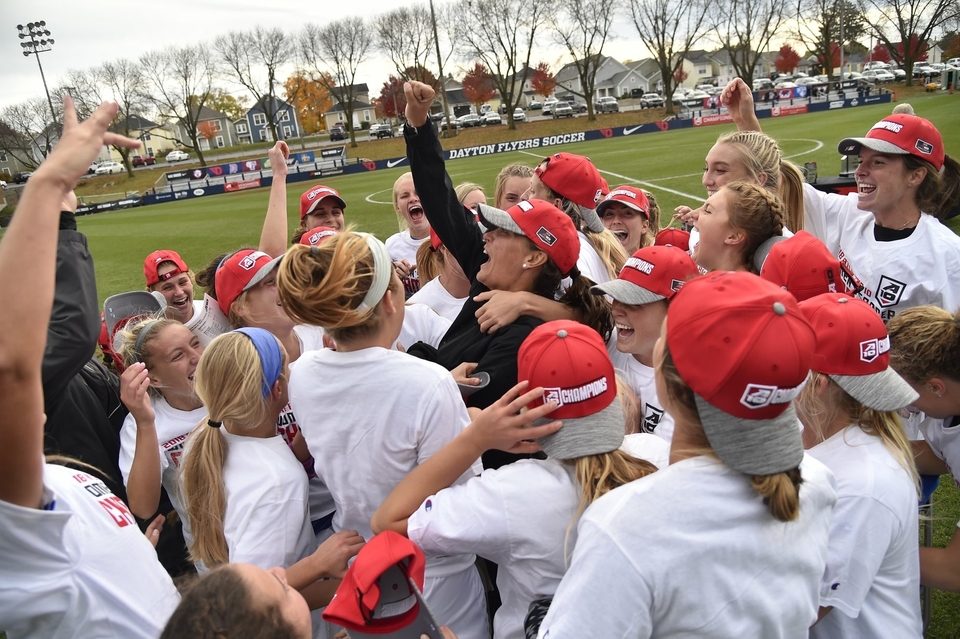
(378, 131)
(762, 84)
(177, 156)
(22, 177)
(878, 75)
(650, 101)
(899, 74)
(607, 104)
(143, 160)
(93, 168)
(548, 105)
(444, 126)
(338, 133)
(805, 81)
(469, 120)
(578, 107)
(695, 98)
(562, 110)
(536, 105)
(491, 118)
(519, 115)
(485, 108)
(106, 168)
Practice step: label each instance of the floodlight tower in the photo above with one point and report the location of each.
(36, 40)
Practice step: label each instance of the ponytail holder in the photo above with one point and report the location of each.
(314, 251)
(382, 272)
(574, 273)
(214, 424)
(271, 357)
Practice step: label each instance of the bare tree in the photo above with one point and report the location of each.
(405, 36)
(913, 22)
(500, 34)
(745, 29)
(179, 80)
(669, 28)
(583, 27)
(253, 59)
(444, 52)
(26, 132)
(819, 27)
(338, 48)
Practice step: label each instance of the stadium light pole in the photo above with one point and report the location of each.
(36, 40)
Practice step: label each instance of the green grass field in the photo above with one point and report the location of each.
(668, 164)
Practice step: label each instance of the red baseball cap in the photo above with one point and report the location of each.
(152, 264)
(240, 272)
(380, 594)
(312, 197)
(651, 274)
(632, 197)
(900, 134)
(673, 237)
(853, 348)
(575, 178)
(570, 361)
(802, 265)
(435, 242)
(317, 235)
(744, 347)
(544, 224)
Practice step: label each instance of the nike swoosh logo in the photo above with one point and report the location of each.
(393, 163)
(627, 131)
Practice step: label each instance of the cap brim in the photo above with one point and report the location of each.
(494, 218)
(850, 146)
(264, 271)
(594, 434)
(753, 446)
(883, 391)
(626, 292)
(313, 207)
(591, 219)
(604, 204)
(122, 306)
(764, 250)
(423, 625)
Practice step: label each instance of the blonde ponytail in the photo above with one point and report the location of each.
(780, 492)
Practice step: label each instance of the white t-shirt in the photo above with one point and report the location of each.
(376, 416)
(267, 519)
(422, 324)
(649, 447)
(172, 426)
(691, 550)
(873, 557)
(944, 441)
(919, 270)
(589, 262)
(641, 380)
(208, 320)
(401, 246)
(80, 567)
(433, 294)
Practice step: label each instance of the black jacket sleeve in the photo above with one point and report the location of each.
(74, 322)
(453, 223)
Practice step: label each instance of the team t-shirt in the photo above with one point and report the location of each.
(943, 436)
(79, 567)
(692, 550)
(921, 269)
(435, 296)
(873, 559)
(641, 380)
(172, 426)
(401, 246)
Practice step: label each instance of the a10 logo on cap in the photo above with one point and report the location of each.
(871, 349)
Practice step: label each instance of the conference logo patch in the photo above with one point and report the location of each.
(889, 291)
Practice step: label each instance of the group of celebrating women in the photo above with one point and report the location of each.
(590, 427)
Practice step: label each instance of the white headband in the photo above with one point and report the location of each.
(382, 272)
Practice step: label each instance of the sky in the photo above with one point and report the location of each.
(91, 32)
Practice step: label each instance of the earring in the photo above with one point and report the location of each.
(524, 265)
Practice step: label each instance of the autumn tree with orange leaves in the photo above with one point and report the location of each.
(478, 85)
(543, 82)
(310, 97)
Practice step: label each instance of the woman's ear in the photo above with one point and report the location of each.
(535, 259)
(762, 177)
(735, 238)
(822, 383)
(917, 176)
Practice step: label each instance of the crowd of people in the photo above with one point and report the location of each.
(587, 422)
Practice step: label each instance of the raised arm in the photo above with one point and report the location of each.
(452, 222)
(738, 99)
(28, 257)
(500, 426)
(273, 236)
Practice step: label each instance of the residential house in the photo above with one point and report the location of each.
(363, 111)
(155, 140)
(522, 90)
(221, 125)
(699, 66)
(285, 117)
(613, 78)
(9, 164)
(650, 79)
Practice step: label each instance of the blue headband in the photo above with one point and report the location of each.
(271, 357)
